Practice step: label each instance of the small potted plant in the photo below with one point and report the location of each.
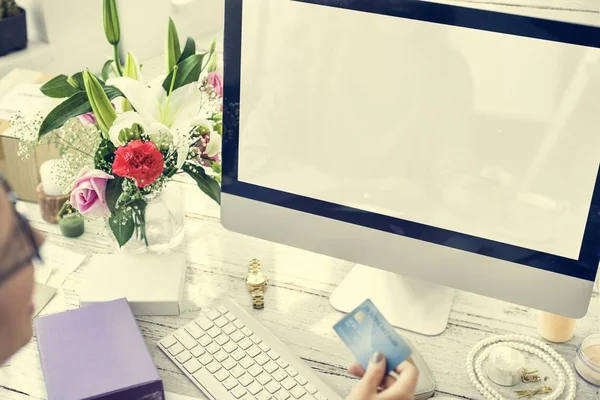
(13, 27)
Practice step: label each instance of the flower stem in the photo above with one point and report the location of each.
(117, 60)
(165, 110)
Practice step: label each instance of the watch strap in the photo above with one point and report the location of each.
(254, 266)
(258, 299)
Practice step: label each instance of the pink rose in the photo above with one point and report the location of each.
(88, 118)
(215, 80)
(88, 195)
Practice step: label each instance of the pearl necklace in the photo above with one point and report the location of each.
(522, 343)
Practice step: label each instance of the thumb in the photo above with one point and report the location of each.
(373, 376)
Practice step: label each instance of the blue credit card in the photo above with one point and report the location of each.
(365, 331)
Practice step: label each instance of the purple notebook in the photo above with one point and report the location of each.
(96, 352)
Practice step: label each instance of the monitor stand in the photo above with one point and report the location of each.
(407, 303)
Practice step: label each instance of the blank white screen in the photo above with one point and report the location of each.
(477, 132)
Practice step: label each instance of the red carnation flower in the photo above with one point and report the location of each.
(141, 161)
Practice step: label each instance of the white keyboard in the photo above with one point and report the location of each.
(229, 355)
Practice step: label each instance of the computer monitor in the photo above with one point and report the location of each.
(437, 146)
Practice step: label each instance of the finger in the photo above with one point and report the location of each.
(356, 369)
(404, 387)
(373, 376)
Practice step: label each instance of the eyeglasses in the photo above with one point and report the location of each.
(23, 246)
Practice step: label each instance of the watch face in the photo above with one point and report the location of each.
(256, 279)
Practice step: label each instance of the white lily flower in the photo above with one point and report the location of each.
(125, 121)
(214, 144)
(174, 112)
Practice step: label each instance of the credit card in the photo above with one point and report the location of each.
(365, 331)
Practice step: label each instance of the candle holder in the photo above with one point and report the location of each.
(70, 221)
(50, 206)
(556, 328)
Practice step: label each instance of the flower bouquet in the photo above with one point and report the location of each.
(123, 139)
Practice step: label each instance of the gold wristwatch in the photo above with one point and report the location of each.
(256, 282)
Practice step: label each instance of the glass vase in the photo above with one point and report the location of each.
(164, 224)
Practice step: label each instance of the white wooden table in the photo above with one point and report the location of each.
(297, 309)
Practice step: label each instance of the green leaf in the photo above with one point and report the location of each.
(78, 77)
(189, 49)
(72, 107)
(114, 189)
(106, 69)
(173, 51)
(58, 88)
(206, 183)
(188, 71)
(122, 226)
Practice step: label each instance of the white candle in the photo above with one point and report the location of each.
(48, 174)
(505, 366)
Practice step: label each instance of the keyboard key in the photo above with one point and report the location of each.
(279, 375)
(263, 346)
(246, 362)
(199, 376)
(230, 347)
(229, 329)
(237, 336)
(245, 343)
(255, 339)
(192, 366)
(205, 341)
(238, 392)
(238, 355)
(239, 324)
(237, 372)
(228, 363)
(221, 322)
(205, 359)
(288, 383)
(195, 331)
(262, 359)
(183, 357)
(301, 380)
(310, 389)
(255, 370)
(230, 383)
(253, 351)
(254, 388)
(198, 351)
(176, 349)
(319, 396)
(230, 317)
(291, 371)
(282, 363)
(246, 379)
(186, 340)
(264, 395)
(298, 392)
(213, 367)
(282, 395)
(274, 356)
(264, 378)
(213, 348)
(271, 367)
(247, 331)
(213, 314)
(204, 323)
(168, 342)
(222, 339)
(221, 375)
(221, 355)
(272, 387)
(214, 332)
(223, 310)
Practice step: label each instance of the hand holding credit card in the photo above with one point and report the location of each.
(366, 331)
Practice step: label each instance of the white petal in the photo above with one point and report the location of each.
(183, 105)
(203, 123)
(125, 121)
(160, 134)
(214, 145)
(142, 98)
